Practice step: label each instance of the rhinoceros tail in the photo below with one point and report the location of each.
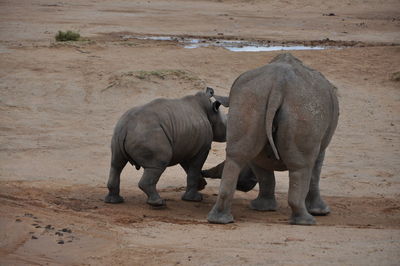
(121, 145)
(273, 103)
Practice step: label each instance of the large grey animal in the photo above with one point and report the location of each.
(163, 133)
(282, 117)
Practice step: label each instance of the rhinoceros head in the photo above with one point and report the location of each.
(216, 116)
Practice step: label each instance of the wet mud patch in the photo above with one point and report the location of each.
(81, 200)
(231, 43)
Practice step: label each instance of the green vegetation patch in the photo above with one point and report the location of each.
(67, 36)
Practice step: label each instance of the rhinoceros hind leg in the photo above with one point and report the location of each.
(114, 181)
(148, 184)
(299, 181)
(221, 212)
(315, 204)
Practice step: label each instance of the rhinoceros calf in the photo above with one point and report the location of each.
(163, 133)
(281, 117)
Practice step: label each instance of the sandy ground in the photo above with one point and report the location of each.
(59, 103)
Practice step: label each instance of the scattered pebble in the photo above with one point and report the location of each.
(60, 242)
(59, 234)
(49, 227)
(18, 220)
(395, 76)
(34, 237)
(66, 230)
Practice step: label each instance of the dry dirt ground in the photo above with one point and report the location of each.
(59, 103)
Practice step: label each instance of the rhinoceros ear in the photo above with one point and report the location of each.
(210, 92)
(215, 106)
(223, 100)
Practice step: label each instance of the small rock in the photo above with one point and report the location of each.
(49, 227)
(34, 237)
(18, 220)
(395, 76)
(66, 230)
(60, 242)
(59, 234)
(289, 239)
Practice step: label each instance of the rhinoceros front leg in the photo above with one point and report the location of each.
(195, 181)
(266, 196)
(315, 204)
(148, 184)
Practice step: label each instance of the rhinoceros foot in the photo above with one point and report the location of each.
(192, 196)
(158, 202)
(261, 204)
(302, 220)
(113, 199)
(216, 217)
(318, 209)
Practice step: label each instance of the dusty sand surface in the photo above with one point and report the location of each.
(59, 103)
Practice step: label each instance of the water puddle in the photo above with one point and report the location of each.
(231, 45)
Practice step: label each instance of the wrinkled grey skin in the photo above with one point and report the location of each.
(282, 117)
(163, 133)
(246, 181)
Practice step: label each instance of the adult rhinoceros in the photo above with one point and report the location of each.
(282, 117)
